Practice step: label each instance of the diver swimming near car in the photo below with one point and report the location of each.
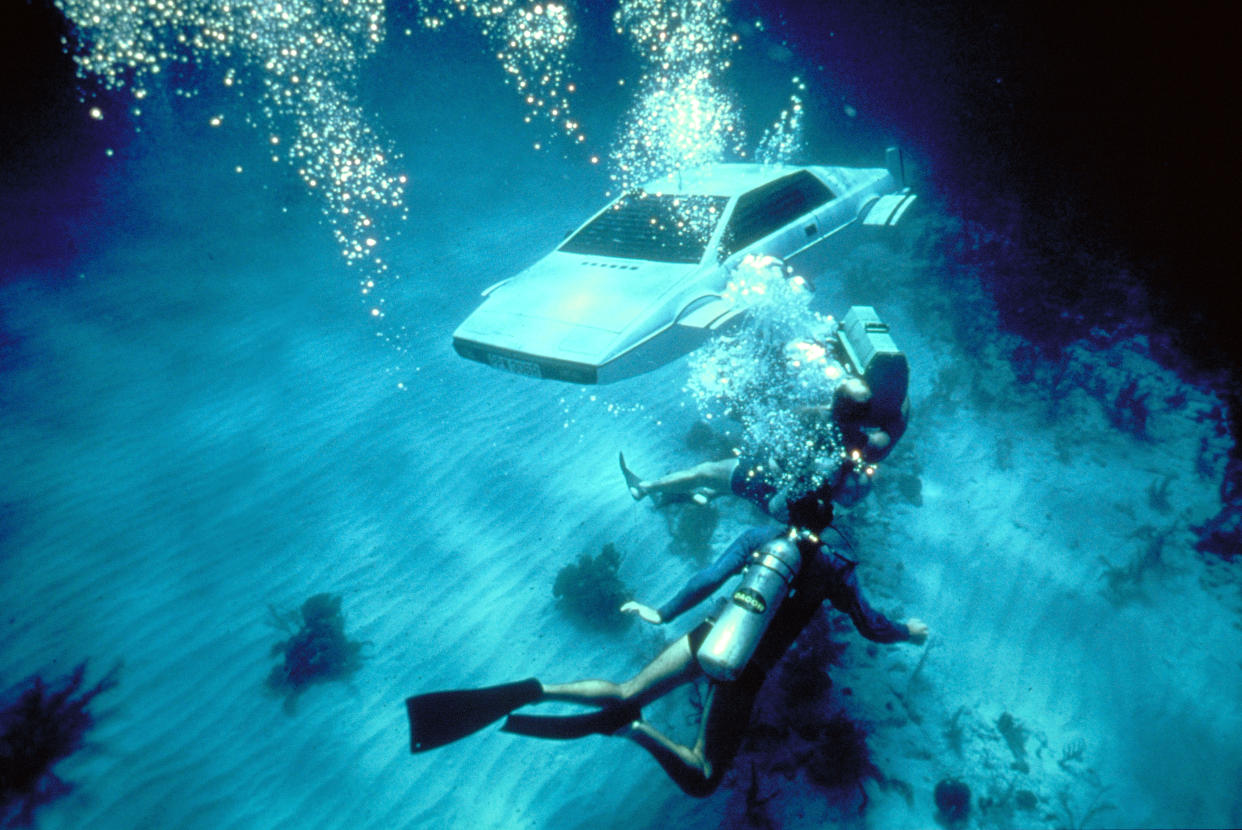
(866, 417)
(787, 574)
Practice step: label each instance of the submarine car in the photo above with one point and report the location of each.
(643, 281)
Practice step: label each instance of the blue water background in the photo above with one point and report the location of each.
(199, 420)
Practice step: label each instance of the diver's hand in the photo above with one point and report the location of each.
(648, 613)
(918, 631)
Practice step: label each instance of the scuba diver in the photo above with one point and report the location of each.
(787, 576)
(868, 414)
(753, 476)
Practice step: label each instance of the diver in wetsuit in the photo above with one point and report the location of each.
(824, 574)
(859, 426)
(868, 437)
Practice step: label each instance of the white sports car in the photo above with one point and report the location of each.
(643, 281)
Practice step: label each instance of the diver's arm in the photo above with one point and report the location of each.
(847, 597)
(705, 582)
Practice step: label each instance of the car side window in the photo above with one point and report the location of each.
(766, 209)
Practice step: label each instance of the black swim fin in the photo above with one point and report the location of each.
(632, 480)
(606, 721)
(439, 718)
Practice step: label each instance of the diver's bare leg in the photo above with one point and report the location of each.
(711, 476)
(673, 667)
(689, 767)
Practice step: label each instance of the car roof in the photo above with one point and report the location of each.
(719, 179)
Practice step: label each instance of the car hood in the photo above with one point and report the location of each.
(575, 306)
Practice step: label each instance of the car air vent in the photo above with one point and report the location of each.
(614, 265)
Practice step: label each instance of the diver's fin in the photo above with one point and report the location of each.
(439, 718)
(632, 480)
(606, 721)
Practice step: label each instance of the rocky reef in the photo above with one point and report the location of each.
(317, 650)
(590, 592)
(41, 724)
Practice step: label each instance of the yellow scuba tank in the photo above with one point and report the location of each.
(737, 631)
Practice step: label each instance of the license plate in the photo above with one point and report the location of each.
(513, 364)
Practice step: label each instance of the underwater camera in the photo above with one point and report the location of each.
(875, 358)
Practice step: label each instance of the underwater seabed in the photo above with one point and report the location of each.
(1041, 516)
(200, 425)
(1082, 668)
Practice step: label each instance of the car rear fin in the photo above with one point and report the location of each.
(896, 165)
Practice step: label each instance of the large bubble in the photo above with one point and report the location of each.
(296, 64)
(682, 117)
(531, 41)
(782, 142)
(299, 61)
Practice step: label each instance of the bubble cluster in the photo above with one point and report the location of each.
(769, 373)
(782, 141)
(299, 61)
(682, 118)
(301, 57)
(531, 43)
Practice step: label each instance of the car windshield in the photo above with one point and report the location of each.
(656, 227)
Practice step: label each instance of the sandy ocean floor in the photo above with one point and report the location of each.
(198, 422)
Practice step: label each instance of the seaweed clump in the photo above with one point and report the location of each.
(317, 650)
(691, 526)
(1015, 735)
(1124, 583)
(840, 757)
(41, 726)
(1222, 534)
(952, 801)
(1130, 411)
(803, 673)
(591, 592)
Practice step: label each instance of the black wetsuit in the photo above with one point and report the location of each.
(756, 477)
(753, 481)
(824, 575)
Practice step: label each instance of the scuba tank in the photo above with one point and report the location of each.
(737, 630)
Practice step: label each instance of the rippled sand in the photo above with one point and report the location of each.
(203, 425)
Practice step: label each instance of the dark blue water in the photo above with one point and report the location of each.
(200, 417)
